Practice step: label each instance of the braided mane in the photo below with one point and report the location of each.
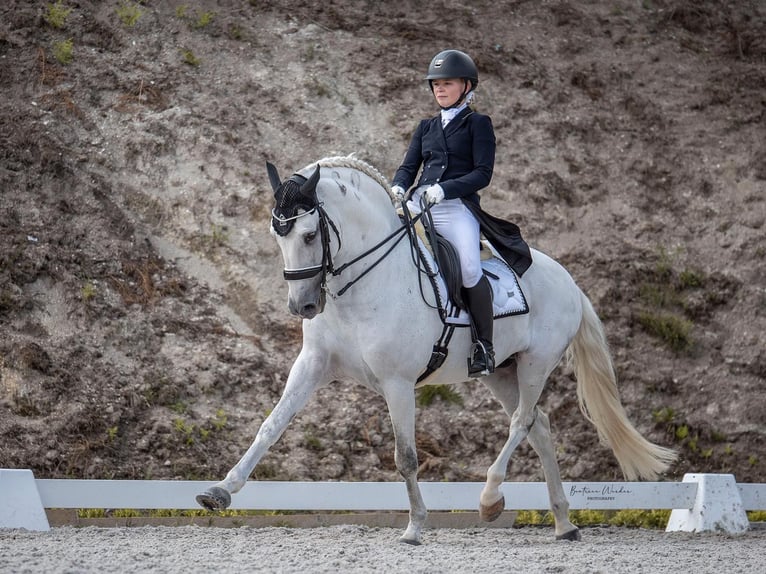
(354, 162)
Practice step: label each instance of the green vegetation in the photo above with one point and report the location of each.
(219, 420)
(657, 519)
(56, 15)
(189, 58)
(312, 442)
(88, 291)
(203, 19)
(701, 443)
(129, 13)
(63, 51)
(198, 21)
(664, 415)
(672, 330)
(651, 519)
(665, 298)
(219, 235)
(428, 394)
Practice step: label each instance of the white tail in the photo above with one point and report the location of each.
(600, 401)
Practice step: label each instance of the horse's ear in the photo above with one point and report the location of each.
(273, 176)
(308, 189)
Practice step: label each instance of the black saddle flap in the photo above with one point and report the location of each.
(449, 265)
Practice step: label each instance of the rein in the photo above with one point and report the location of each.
(327, 267)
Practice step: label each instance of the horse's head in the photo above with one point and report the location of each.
(297, 224)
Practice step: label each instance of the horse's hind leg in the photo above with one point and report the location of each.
(504, 386)
(518, 390)
(540, 439)
(516, 399)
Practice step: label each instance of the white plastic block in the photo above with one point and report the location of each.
(20, 504)
(717, 507)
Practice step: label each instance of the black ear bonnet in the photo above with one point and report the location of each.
(292, 195)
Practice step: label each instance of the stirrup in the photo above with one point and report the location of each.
(482, 359)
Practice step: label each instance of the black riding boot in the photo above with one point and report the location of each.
(479, 301)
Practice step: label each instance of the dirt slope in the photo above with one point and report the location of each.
(142, 311)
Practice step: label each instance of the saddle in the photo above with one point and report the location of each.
(443, 262)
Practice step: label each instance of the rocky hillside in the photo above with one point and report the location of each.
(142, 311)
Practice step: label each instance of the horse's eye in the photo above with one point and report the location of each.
(309, 237)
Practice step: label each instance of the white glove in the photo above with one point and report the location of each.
(434, 194)
(398, 192)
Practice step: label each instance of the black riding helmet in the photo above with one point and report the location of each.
(453, 64)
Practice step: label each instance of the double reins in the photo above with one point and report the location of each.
(326, 267)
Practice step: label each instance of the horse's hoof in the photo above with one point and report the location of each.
(573, 535)
(214, 498)
(493, 511)
(409, 541)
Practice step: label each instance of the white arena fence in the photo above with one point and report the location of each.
(702, 502)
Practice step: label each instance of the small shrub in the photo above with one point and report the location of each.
(63, 50)
(88, 291)
(57, 14)
(312, 442)
(126, 513)
(203, 19)
(533, 518)
(641, 518)
(664, 415)
(682, 432)
(219, 235)
(690, 279)
(428, 394)
(129, 13)
(220, 420)
(587, 517)
(672, 330)
(190, 58)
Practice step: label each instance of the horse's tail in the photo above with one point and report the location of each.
(600, 402)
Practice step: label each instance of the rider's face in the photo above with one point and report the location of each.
(447, 91)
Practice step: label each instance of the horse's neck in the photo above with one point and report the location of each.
(364, 216)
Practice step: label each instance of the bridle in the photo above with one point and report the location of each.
(326, 264)
(326, 267)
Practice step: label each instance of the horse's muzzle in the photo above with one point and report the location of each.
(306, 309)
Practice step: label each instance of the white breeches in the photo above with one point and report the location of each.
(457, 225)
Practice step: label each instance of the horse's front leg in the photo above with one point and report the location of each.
(401, 409)
(306, 375)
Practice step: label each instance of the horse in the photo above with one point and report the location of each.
(352, 280)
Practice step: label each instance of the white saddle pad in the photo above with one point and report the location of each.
(507, 297)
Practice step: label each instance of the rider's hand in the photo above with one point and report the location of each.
(398, 192)
(434, 194)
